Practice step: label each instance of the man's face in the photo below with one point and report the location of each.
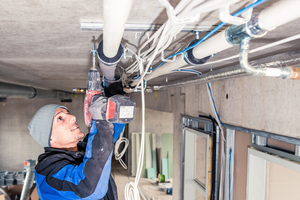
(65, 131)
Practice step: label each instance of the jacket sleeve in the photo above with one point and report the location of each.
(118, 129)
(89, 179)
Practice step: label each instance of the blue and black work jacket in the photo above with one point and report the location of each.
(82, 174)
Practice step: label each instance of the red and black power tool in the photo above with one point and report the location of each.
(93, 87)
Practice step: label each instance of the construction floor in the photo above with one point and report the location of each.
(148, 187)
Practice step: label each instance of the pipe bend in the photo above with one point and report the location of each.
(285, 72)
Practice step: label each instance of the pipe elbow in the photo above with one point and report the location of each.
(286, 72)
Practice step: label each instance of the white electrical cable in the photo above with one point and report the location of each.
(118, 155)
(187, 11)
(131, 190)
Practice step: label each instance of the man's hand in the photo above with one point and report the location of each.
(115, 109)
(98, 107)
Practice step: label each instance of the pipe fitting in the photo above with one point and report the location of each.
(191, 59)
(235, 34)
(286, 72)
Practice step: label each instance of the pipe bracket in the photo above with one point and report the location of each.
(235, 34)
(191, 59)
(109, 61)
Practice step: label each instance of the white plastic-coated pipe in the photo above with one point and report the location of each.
(115, 15)
(166, 68)
(213, 45)
(270, 18)
(278, 14)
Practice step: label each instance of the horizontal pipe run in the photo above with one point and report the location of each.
(284, 72)
(204, 79)
(219, 41)
(279, 14)
(13, 90)
(286, 9)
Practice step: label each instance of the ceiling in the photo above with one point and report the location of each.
(42, 44)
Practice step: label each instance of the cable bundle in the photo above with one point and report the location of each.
(186, 12)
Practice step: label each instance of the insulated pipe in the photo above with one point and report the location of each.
(286, 9)
(8, 90)
(219, 40)
(278, 14)
(115, 15)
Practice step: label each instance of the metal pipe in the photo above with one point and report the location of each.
(115, 15)
(284, 72)
(204, 79)
(29, 178)
(268, 19)
(217, 162)
(13, 90)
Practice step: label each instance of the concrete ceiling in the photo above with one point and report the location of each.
(43, 46)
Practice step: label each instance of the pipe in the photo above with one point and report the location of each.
(221, 41)
(234, 71)
(204, 79)
(110, 50)
(284, 72)
(29, 178)
(9, 90)
(278, 14)
(115, 15)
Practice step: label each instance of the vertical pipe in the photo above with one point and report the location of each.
(217, 162)
(230, 149)
(29, 178)
(115, 15)
(182, 157)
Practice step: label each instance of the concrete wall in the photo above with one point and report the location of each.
(15, 141)
(268, 104)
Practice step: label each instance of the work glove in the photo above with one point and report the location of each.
(115, 109)
(98, 107)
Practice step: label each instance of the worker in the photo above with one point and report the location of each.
(71, 168)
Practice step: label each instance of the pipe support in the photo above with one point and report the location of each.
(191, 59)
(235, 34)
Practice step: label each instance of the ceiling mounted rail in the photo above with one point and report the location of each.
(96, 26)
